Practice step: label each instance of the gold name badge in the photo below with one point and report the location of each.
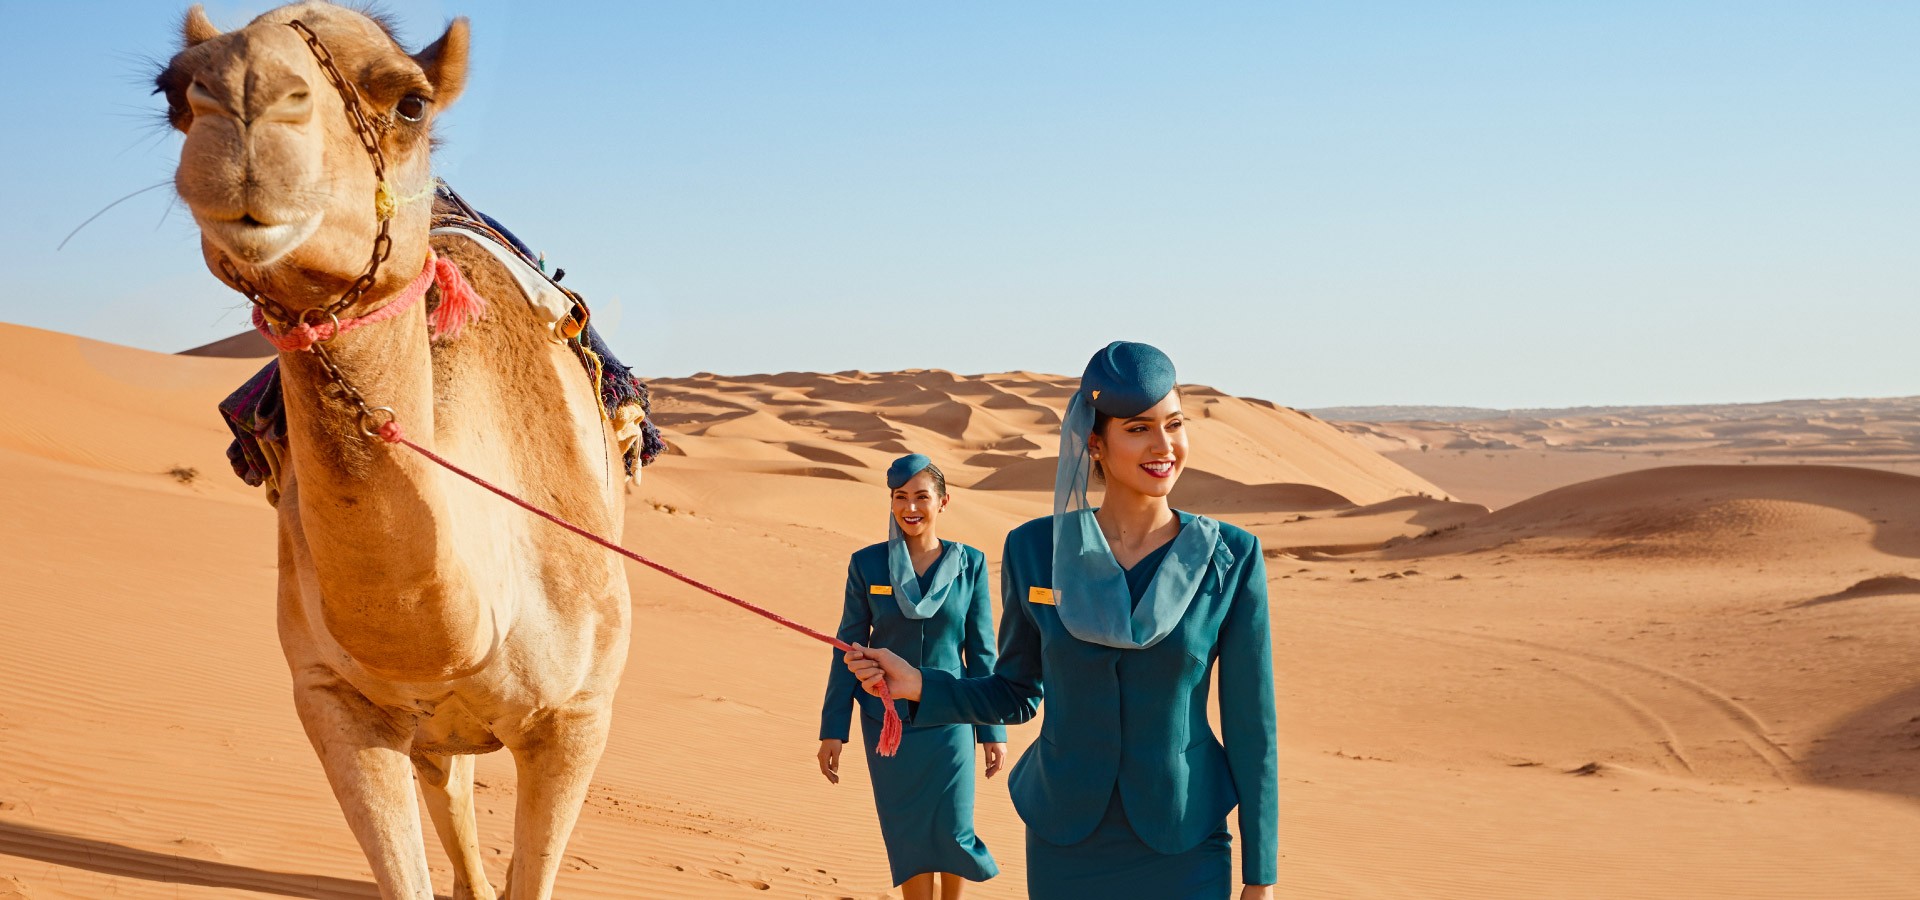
(881, 589)
(1040, 595)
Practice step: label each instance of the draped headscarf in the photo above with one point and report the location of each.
(1090, 592)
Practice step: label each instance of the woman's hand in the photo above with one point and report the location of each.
(1257, 892)
(830, 759)
(872, 665)
(996, 755)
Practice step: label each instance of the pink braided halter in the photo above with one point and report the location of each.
(303, 335)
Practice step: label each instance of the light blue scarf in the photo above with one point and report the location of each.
(906, 585)
(1090, 588)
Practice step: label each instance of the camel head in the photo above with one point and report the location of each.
(273, 166)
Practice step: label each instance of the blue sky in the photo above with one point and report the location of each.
(1495, 204)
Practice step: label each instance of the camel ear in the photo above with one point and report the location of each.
(445, 62)
(196, 28)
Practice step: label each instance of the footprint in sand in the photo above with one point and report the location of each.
(816, 877)
(754, 883)
(12, 888)
(730, 703)
(197, 849)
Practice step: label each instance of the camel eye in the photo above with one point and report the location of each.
(412, 108)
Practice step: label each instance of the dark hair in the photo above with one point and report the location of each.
(1100, 422)
(939, 479)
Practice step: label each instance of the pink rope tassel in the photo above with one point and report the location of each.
(459, 302)
(891, 727)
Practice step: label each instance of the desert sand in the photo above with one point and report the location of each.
(1674, 681)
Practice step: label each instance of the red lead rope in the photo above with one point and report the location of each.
(890, 729)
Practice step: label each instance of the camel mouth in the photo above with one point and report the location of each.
(258, 243)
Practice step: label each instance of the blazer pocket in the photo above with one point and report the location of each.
(1194, 668)
(1208, 776)
(1200, 740)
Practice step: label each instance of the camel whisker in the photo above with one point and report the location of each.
(103, 211)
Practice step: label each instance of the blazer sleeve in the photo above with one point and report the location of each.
(856, 626)
(1011, 694)
(1247, 721)
(979, 645)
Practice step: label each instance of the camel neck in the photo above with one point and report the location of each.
(376, 522)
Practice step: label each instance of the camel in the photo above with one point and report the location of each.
(423, 620)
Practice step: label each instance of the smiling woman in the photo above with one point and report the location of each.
(1121, 612)
(926, 599)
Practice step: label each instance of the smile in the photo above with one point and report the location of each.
(1159, 468)
(912, 520)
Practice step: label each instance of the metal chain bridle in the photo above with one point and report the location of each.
(282, 318)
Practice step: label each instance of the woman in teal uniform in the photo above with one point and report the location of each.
(926, 600)
(1121, 612)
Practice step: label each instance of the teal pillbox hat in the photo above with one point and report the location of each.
(1126, 379)
(904, 468)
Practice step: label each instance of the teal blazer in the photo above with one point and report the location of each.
(957, 639)
(1134, 720)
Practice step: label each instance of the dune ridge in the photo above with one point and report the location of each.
(998, 432)
(1499, 457)
(1702, 512)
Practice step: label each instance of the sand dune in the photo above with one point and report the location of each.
(114, 409)
(1500, 457)
(998, 433)
(1676, 683)
(245, 345)
(1324, 534)
(1790, 427)
(1719, 512)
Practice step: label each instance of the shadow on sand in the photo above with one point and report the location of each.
(1871, 750)
(27, 842)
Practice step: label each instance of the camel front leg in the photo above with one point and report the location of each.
(554, 764)
(446, 784)
(364, 753)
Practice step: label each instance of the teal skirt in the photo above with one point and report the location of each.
(1113, 862)
(924, 796)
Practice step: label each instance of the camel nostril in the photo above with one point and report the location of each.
(295, 106)
(201, 100)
